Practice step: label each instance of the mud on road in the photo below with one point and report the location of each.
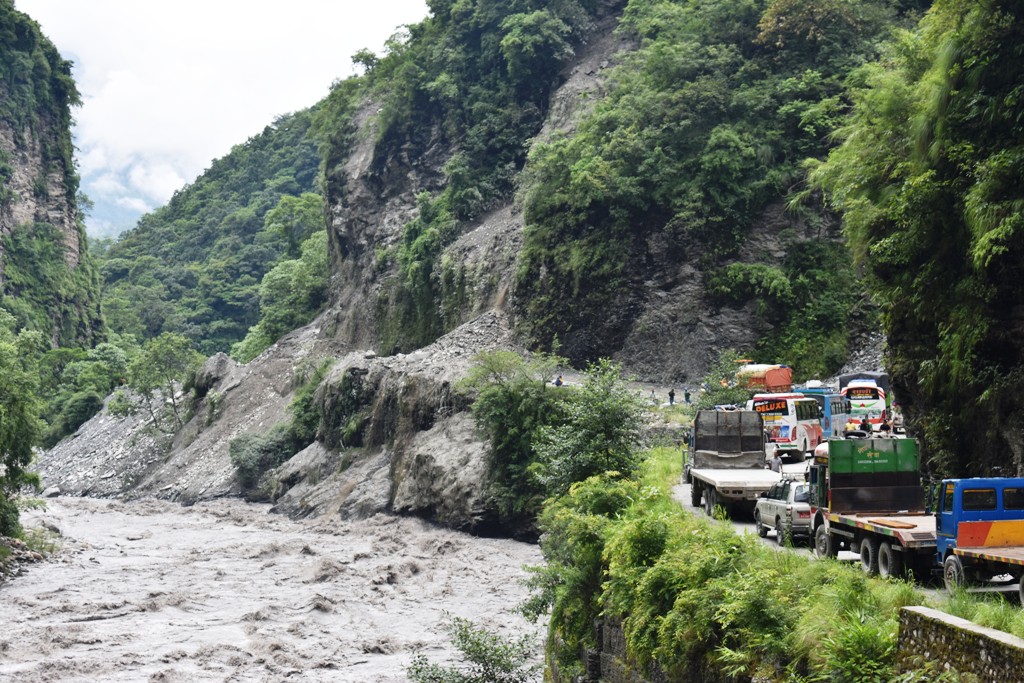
(224, 591)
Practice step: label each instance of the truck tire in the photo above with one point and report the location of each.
(869, 555)
(824, 546)
(890, 562)
(709, 502)
(762, 530)
(953, 573)
(695, 495)
(781, 533)
(1020, 590)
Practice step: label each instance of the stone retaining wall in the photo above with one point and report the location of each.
(928, 640)
(611, 663)
(948, 642)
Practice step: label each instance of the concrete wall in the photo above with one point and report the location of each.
(930, 636)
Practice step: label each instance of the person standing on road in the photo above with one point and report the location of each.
(775, 463)
(671, 397)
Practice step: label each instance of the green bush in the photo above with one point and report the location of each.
(691, 593)
(488, 658)
(253, 455)
(600, 431)
(9, 518)
(513, 402)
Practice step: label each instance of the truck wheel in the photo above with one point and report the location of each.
(890, 562)
(953, 573)
(709, 502)
(762, 530)
(695, 495)
(1020, 590)
(823, 544)
(781, 533)
(869, 555)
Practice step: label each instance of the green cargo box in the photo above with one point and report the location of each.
(874, 475)
(873, 456)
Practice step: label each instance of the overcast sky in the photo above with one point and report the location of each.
(167, 87)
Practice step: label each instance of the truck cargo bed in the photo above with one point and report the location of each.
(1008, 555)
(912, 530)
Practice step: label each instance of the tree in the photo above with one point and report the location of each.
(291, 294)
(928, 178)
(601, 432)
(20, 425)
(295, 219)
(160, 368)
(534, 46)
(513, 402)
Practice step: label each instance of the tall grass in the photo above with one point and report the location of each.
(692, 593)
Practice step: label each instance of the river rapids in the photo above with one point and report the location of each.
(226, 591)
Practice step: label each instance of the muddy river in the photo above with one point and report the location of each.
(225, 591)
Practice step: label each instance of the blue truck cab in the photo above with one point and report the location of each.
(979, 529)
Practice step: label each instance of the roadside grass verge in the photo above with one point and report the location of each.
(694, 595)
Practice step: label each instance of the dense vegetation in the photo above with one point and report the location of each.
(36, 94)
(705, 126)
(39, 287)
(194, 267)
(475, 78)
(544, 438)
(696, 599)
(929, 180)
(19, 416)
(41, 291)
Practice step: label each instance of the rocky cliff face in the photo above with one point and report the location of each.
(36, 190)
(38, 187)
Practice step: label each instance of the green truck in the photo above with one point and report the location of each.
(866, 497)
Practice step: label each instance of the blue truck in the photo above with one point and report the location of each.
(979, 531)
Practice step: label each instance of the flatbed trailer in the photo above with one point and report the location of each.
(734, 489)
(725, 461)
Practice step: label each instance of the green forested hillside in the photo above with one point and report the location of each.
(930, 180)
(706, 125)
(194, 266)
(49, 281)
(49, 285)
(473, 79)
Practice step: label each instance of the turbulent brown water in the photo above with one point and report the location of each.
(225, 591)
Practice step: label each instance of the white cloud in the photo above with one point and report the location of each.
(134, 204)
(169, 86)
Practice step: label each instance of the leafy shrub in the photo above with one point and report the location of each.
(78, 409)
(692, 593)
(306, 414)
(253, 455)
(9, 518)
(599, 432)
(513, 401)
(488, 658)
(120, 405)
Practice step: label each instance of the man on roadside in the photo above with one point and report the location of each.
(776, 462)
